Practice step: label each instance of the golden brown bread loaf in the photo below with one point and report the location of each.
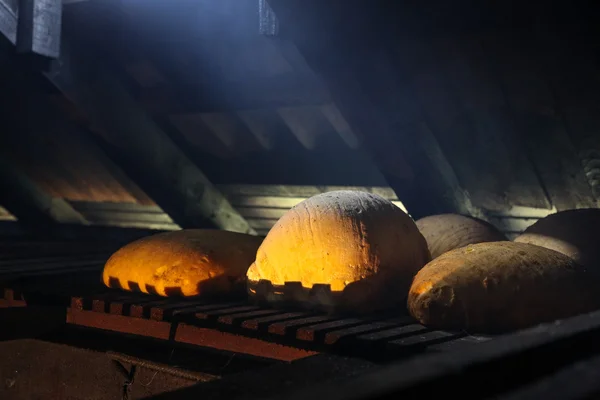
(573, 232)
(500, 286)
(447, 232)
(360, 245)
(184, 263)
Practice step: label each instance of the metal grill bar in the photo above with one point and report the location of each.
(551, 361)
(376, 337)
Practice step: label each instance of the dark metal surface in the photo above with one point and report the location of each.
(555, 360)
(576, 381)
(276, 379)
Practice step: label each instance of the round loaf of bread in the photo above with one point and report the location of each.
(341, 250)
(500, 286)
(189, 262)
(447, 232)
(572, 232)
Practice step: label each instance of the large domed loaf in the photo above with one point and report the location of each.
(574, 233)
(500, 286)
(360, 244)
(185, 263)
(447, 232)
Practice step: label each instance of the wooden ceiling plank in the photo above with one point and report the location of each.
(262, 124)
(262, 213)
(337, 120)
(307, 123)
(231, 131)
(485, 134)
(361, 79)
(188, 196)
(53, 152)
(5, 215)
(265, 201)
(194, 132)
(571, 72)
(190, 199)
(31, 205)
(539, 123)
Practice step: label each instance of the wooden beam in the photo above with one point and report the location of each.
(37, 118)
(8, 20)
(175, 183)
(34, 26)
(20, 195)
(29, 204)
(268, 24)
(362, 80)
(39, 27)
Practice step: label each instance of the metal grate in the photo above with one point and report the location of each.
(556, 360)
(68, 275)
(235, 326)
(297, 334)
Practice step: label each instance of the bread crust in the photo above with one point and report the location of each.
(572, 232)
(500, 286)
(360, 246)
(189, 262)
(445, 232)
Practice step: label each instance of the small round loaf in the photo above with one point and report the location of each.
(500, 286)
(359, 249)
(447, 232)
(183, 263)
(573, 232)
